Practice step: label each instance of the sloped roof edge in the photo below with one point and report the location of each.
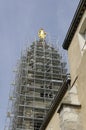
(74, 24)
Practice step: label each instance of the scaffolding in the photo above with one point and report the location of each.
(39, 75)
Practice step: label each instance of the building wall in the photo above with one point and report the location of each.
(70, 111)
(81, 82)
(70, 118)
(74, 53)
(77, 63)
(54, 123)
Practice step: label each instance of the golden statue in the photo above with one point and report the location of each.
(42, 34)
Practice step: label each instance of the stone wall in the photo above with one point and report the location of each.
(70, 111)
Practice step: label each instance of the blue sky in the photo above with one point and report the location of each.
(20, 21)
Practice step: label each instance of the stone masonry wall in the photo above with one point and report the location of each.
(69, 111)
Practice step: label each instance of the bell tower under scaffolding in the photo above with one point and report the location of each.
(39, 75)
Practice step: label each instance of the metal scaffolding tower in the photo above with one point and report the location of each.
(39, 75)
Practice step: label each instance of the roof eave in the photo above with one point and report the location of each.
(74, 24)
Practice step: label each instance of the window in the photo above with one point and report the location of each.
(84, 46)
(83, 41)
(82, 37)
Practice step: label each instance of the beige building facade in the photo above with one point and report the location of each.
(77, 62)
(70, 112)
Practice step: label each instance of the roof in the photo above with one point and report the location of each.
(74, 24)
(56, 102)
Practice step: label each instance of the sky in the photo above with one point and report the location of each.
(20, 21)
